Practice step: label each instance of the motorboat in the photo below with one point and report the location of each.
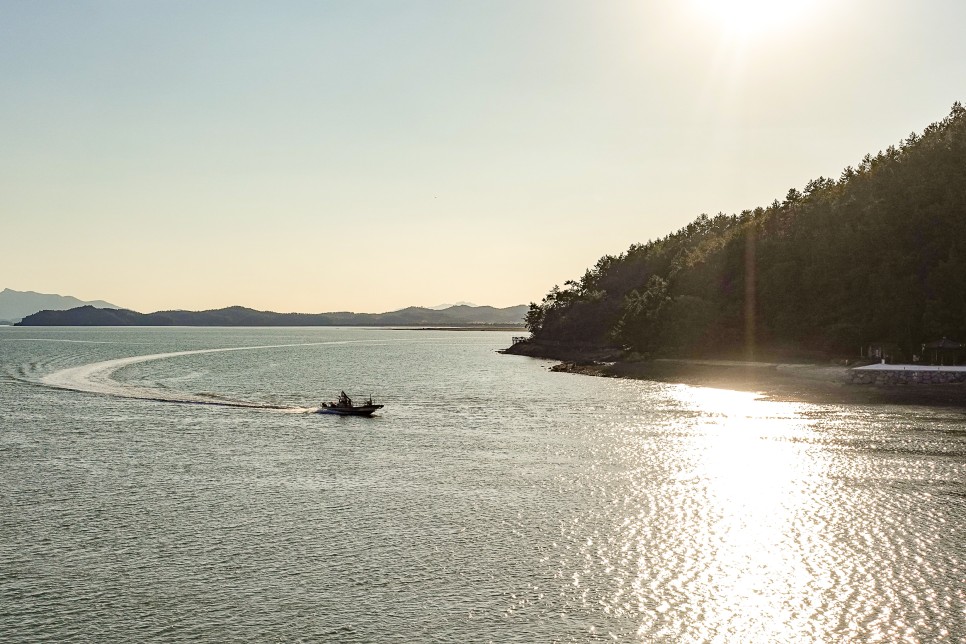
(344, 407)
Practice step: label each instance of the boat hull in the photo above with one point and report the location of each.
(360, 410)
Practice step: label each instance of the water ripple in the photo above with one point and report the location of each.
(514, 512)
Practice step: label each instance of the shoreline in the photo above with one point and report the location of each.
(808, 383)
(495, 327)
(776, 381)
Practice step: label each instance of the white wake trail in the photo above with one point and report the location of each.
(96, 378)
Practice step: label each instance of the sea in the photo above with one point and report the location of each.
(176, 484)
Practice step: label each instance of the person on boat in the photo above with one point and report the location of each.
(344, 400)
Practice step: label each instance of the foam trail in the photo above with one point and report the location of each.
(96, 378)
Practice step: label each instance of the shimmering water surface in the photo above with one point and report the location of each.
(490, 500)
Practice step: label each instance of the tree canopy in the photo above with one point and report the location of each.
(877, 255)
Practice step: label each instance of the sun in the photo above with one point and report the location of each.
(750, 17)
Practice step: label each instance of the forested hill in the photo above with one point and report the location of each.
(455, 316)
(877, 255)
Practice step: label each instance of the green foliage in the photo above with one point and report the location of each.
(534, 318)
(877, 255)
(693, 328)
(642, 316)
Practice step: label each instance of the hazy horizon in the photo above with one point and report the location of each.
(370, 156)
(103, 304)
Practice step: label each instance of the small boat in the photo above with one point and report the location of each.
(344, 407)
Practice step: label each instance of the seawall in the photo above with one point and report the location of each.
(906, 375)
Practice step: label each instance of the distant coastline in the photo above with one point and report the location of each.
(238, 316)
(16, 305)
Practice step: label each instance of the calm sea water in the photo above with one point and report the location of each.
(491, 500)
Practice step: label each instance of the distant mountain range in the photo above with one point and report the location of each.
(15, 305)
(454, 316)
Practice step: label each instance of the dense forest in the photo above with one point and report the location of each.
(875, 256)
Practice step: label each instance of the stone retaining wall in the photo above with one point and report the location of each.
(904, 377)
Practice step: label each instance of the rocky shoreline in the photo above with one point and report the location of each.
(791, 382)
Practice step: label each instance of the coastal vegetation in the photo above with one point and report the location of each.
(877, 255)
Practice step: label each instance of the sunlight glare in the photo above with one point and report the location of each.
(747, 17)
(753, 546)
(745, 453)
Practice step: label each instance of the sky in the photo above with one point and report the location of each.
(369, 155)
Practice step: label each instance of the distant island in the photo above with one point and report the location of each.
(238, 316)
(871, 263)
(16, 305)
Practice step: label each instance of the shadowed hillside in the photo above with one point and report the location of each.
(876, 255)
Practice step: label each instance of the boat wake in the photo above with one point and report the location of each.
(96, 378)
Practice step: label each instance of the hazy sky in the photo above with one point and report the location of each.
(369, 155)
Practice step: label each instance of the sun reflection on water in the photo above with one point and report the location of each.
(742, 447)
(708, 515)
(737, 554)
(754, 560)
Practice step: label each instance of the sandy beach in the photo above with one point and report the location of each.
(813, 383)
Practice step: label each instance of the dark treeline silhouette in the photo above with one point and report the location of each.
(877, 255)
(240, 316)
